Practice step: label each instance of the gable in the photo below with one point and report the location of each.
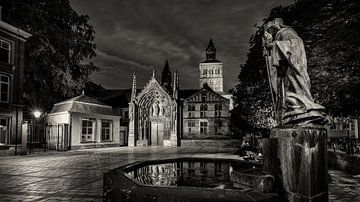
(205, 95)
(153, 84)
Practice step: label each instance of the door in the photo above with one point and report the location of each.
(4, 130)
(123, 138)
(157, 133)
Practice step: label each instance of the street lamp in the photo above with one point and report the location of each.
(37, 114)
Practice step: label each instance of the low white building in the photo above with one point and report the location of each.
(82, 122)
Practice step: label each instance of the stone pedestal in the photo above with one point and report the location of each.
(173, 139)
(297, 158)
(131, 140)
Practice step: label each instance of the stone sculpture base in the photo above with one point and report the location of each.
(297, 158)
(131, 140)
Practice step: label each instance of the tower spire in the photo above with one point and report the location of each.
(176, 85)
(133, 88)
(211, 51)
(166, 76)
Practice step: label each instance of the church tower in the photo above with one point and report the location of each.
(166, 77)
(211, 70)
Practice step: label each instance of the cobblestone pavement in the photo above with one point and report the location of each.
(77, 175)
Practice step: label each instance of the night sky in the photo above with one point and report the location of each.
(136, 36)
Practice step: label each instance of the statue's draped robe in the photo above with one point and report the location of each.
(289, 53)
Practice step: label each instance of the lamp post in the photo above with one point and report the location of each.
(37, 114)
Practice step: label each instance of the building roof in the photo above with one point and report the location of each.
(116, 98)
(14, 30)
(205, 88)
(82, 104)
(83, 98)
(183, 94)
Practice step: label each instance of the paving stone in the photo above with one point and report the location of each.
(77, 175)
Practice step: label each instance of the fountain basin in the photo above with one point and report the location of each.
(183, 179)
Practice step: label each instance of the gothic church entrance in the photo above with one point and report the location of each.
(157, 133)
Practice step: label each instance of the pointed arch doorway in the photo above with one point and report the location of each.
(157, 133)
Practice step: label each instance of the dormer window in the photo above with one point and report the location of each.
(5, 49)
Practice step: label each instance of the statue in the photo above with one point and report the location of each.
(161, 109)
(174, 113)
(155, 109)
(288, 77)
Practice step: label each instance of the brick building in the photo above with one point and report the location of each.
(12, 48)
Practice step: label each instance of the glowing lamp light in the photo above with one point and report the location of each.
(37, 114)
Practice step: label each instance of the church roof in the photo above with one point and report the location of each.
(82, 104)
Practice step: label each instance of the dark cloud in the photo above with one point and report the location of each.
(137, 36)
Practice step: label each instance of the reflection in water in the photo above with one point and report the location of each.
(192, 173)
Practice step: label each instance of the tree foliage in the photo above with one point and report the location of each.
(55, 54)
(329, 29)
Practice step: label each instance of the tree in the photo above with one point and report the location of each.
(55, 54)
(329, 31)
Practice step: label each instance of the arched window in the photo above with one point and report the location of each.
(205, 72)
(203, 97)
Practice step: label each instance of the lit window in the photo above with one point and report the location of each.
(87, 130)
(5, 51)
(4, 88)
(106, 127)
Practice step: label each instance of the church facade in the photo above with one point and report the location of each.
(153, 115)
(161, 114)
